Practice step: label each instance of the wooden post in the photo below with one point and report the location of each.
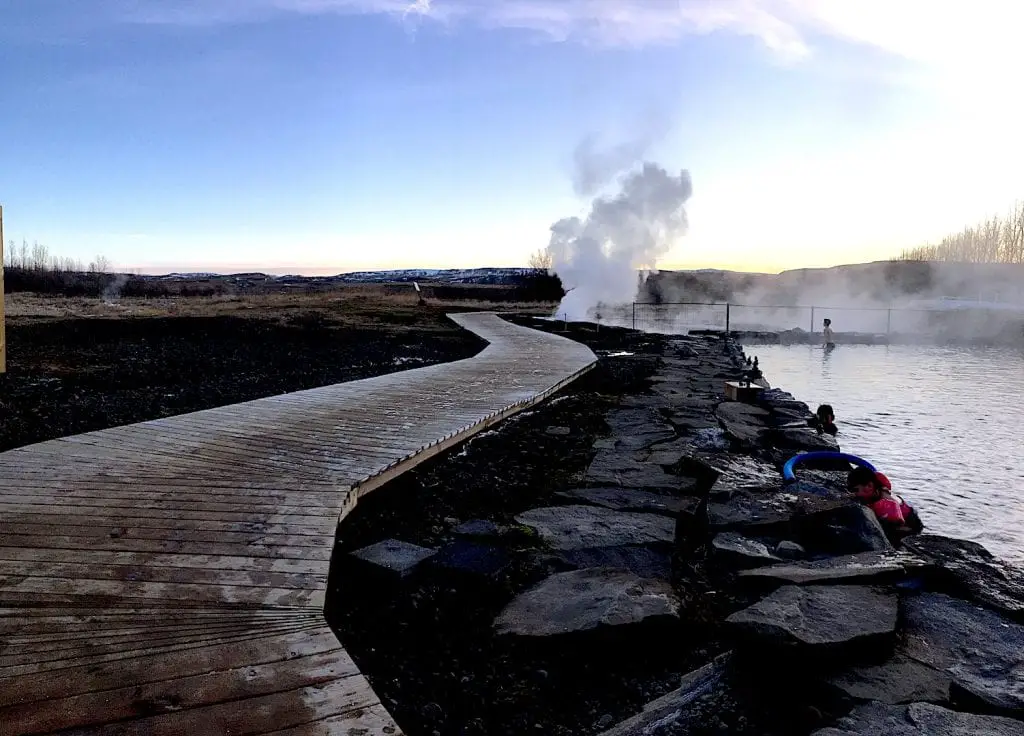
(728, 306)
(812, 320)
(3, 316)
(888, 323)
(634, 316)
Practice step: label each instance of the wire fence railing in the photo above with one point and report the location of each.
(679, 317)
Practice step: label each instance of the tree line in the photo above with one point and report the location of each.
(994, 240)
(37, 257)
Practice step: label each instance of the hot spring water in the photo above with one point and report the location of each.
(941, 422)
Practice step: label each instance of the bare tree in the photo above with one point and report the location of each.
(994, 240)
(100, 264)
(541, 259)
(40, 256)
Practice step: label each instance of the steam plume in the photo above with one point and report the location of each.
(597, 258)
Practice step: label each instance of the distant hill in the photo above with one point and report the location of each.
(496, 276)
(881, 282)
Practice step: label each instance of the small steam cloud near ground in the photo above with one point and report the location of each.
(598, 258)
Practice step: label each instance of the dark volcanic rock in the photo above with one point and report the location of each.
(588, 599)
(760, 510)
(465, 557)
(688, 422)
(899, 680)
(579, 527)
(821, 616)
(801, 438)
(745, 423)
(982, 652)
(622, 468)
(918, 719)
(478, 528)
(635, 429)
(790, 550)
(866, 567)
(741, 472)
(672, 710)
(971, 570)
(740, 551)
(627, 499)
(642, 561)
(846, 530)
(393, 556)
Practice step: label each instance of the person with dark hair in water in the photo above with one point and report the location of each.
(898, 518)
(824, 420)
(828, 335)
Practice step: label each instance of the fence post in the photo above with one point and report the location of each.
(728, 307)
(812, 320)
(888, 322)
(634, 315)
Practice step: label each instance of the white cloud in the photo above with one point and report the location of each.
(603, 22)
(950, 34)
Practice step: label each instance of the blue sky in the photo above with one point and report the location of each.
(328, 135)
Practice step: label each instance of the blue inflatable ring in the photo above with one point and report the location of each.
(787, 470)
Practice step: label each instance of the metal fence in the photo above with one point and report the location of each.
(680, 317)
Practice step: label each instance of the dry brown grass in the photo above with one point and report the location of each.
(359, 305)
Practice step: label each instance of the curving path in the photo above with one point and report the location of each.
(168, 577)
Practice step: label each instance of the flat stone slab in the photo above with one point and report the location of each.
(866, 567)
(478, 528)
(470, 558)
(579, 527)
(585, 600)
(741, 551)
(752, 509)
(674, 711)
(975, 572)
(820, 616)
(802, 438)
(741, 472)
(628, 499)
(981, 651)
(919, 719)
(849, 528)
(623, 468)
(635, 429)
(745, 423)
(899, 680)
(394, 556)
(643, 561)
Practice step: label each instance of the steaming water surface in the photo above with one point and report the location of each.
(944, 423)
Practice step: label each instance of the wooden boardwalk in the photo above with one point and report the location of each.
(168, 577)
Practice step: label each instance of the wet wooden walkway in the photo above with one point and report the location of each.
(168, 577)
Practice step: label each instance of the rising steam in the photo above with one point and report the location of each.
(597, 259)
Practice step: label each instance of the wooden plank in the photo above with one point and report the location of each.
(171, 546)
(160, 578)
(84, 570)
(372, 721)
(169, 696)
(285, 709)
(213, 643)
(199, 561)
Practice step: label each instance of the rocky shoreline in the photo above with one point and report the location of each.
(626, 560)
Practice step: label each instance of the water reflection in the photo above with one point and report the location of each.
(942, 422)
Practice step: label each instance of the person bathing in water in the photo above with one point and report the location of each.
(828, 335)
(824, 420)
(898, 518)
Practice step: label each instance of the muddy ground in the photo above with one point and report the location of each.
(67, 376)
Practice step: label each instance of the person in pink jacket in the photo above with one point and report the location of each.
(874, 489)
